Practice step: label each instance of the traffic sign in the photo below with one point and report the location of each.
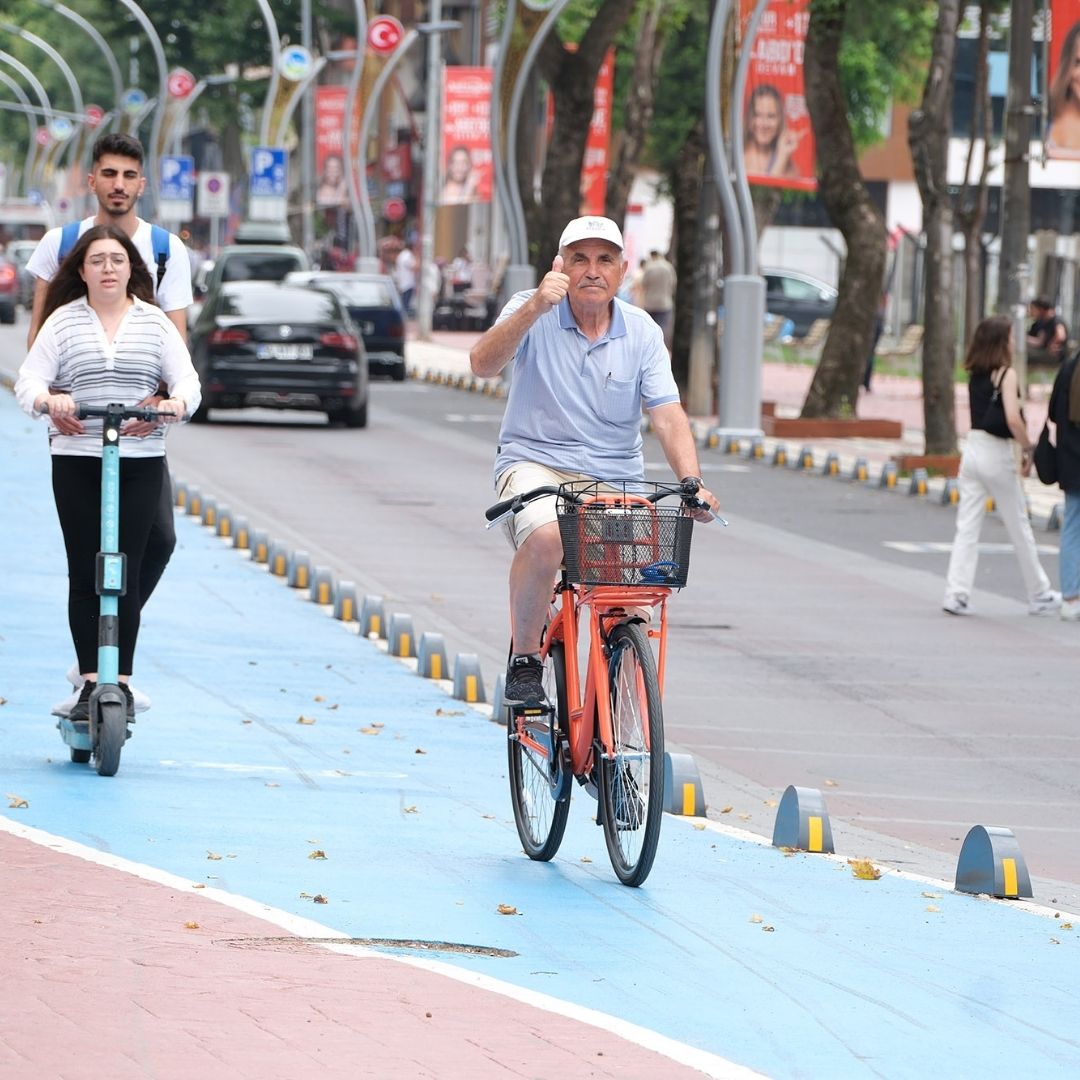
(180, 82)
(176, 187)
(94, 115)
(42, 136)
(394, 209)
(60, 128)
(384, 34)
(213, 194)
(268, 185)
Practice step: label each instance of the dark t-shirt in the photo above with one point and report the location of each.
(1044, 329)
(983, 418)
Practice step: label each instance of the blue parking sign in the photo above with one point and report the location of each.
(177, 183)
(269, 172)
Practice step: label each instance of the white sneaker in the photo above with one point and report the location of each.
(140, 700)
(65, 706)
(1046, 604)
(74, 676)
(1070, 610)
(956, 605)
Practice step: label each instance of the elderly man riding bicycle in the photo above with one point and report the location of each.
(585, 363)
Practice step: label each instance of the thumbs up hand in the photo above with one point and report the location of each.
(555, 285)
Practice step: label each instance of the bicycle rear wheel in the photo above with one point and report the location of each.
(632, 780)
(540, 777)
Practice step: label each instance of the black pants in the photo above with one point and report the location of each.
(162, 540)
(77, 491)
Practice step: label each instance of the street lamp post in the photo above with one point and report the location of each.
(31, 115)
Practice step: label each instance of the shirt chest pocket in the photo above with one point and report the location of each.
(620, 400)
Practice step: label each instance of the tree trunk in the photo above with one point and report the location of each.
(571, 77)
(835, 386)
(928, 137)
(686, 194)
(629, 141)
(974, 198)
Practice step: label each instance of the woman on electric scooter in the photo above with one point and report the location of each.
(104, 341)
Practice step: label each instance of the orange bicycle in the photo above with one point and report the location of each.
(622, 554)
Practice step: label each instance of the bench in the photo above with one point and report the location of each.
(909, 343)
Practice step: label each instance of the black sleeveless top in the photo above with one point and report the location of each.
(983, 417)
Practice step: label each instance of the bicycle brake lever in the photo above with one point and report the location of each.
(500, 519)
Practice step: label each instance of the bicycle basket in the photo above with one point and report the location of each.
(618, 538)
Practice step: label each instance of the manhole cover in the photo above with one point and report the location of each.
(298, 944)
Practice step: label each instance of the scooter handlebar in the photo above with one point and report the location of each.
(126, 412)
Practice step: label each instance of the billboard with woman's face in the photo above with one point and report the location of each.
(778, 143)
(1063, 72)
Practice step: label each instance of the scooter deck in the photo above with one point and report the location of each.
(76, 733)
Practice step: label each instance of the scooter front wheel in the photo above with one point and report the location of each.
(112, 733)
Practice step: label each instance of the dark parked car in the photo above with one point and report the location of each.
(19, 252)
(798, 297)
(264, 344)
(374, 305)
(9, 289)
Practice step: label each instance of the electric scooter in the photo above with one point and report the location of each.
(103, 735)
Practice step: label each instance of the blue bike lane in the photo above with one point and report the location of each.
(290, 762)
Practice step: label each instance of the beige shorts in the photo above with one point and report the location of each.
(526, 476)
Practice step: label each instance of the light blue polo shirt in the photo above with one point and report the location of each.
(575, 404)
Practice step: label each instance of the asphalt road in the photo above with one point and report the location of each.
(808, 649)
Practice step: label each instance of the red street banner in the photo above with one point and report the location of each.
(330, 146)
(1063, 74)
(466, 174)
(778, 142)
(595, 166)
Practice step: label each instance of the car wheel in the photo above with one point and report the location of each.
(352, 418)
(7, 314)
(202, 414)
(398, 374)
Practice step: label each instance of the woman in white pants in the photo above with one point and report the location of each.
(988, 469)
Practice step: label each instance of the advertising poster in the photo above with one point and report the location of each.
(465, 167)
(778, 142)
(594, 167)
(1063, 80)
(330, 189)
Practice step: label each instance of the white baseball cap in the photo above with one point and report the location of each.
(591, 228)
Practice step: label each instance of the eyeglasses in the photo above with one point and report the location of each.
(116, 259)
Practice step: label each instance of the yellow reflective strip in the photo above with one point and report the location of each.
(346, 609)
(436, 666)
(403, 645)
(688, 801)
(815, 830)
(324, 593)
(374, 625)
(301, 577)
(1008, 867)
(470, 687)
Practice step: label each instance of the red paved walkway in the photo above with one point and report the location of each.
(109, 975)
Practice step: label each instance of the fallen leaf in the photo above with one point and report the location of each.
(319, 899)
(744, 817)
(318, 853)
(1066, 926)
(427, 1015)
(318, 697)
(336, 705)
(411, 810)
(305, 719)
(246, 720)
(305, 896)
(864, 869)
(191, 926)
(756, 919)
(419, 750)
(449, 712)
(377, 723)
(507, 909)
(3, 700)
(368, 730)
(17, 802)
(198, 885)
(272, 783)
(788, 851)
(932, 907)
(488, 817)
(769, 929)
(832, 783)
(727, 809)
(932, 895)
(585, 858)
(770, 802)
(1054, 941)
(700, 826)
(230, 856)
(213, 856)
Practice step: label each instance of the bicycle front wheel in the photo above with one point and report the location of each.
(632, 778)
(540, 777)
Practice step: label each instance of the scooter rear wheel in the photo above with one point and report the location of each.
(112, 733)
(80, 757)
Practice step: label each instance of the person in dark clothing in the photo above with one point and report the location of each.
(1064, 414)
(1047, 337)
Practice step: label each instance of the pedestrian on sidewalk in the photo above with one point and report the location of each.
(1064, 414)
(989, 469)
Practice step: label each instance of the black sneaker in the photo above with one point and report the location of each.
(524, 682)
(81, 709)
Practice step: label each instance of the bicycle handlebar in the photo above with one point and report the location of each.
(501, 511)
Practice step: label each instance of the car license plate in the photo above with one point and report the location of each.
(274, 351)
